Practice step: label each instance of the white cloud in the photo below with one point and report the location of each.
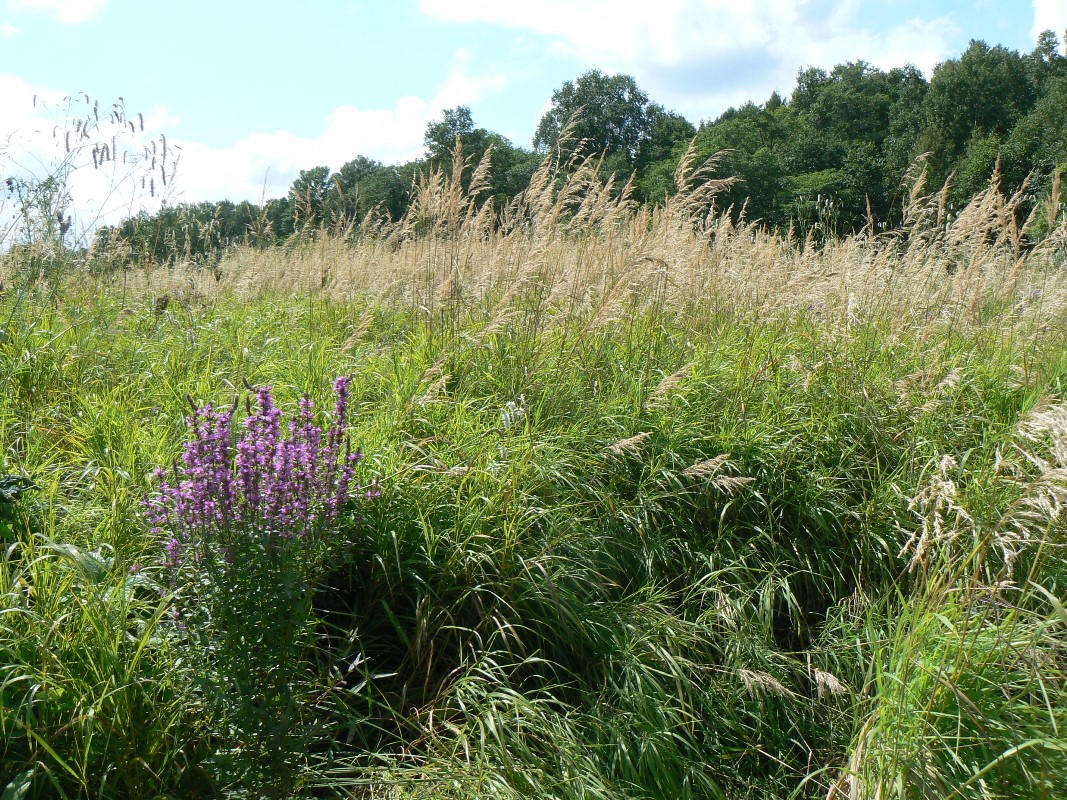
(1049, 15)
(618, 29)
(69, 12)
(34, 126)
(266, 163)
(22, 107)
(699, 54)
(7, 30)
(260, 164)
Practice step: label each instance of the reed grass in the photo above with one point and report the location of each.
(672, 507)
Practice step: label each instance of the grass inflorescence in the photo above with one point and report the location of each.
(670, 507)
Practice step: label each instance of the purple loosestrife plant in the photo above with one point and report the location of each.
(269, 483)
(248, 522)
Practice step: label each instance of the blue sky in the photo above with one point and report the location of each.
(254, 91)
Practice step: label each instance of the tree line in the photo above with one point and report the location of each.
(830, 159)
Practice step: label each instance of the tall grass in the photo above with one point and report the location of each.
(672, 507)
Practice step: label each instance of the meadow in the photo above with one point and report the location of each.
(652, 504)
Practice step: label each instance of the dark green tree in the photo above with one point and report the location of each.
(387, 191)
(510, 167)
(975, 167)
(901, 146)
(1037, 145)
(658, 156)
(748, 139)
(1046, 63)
(308, 196)
(668, 134)
(838, 148)
(983, 93)
(345, 202)
(612, 117)
(456, 123)
(278, 213)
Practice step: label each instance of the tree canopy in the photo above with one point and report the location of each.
(609, 114)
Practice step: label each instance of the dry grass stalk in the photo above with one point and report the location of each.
(434, 391)
(433, 372)
(633, 444)
(828, 684)
(500, 321)
(585, 252)
(731, 484)
(950, 381)
(1042, 436)
(728, 610)
(710, 470)
(942, 389)
(941, 518)
(846, 787)
(357, 335)
(761, 684)
(1041, 445)
(670, 384)
(707, 468)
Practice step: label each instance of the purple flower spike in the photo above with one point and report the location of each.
(264, 483)
(174, 554)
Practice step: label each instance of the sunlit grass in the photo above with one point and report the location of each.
(648, 489)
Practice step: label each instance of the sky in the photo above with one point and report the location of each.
(249, 92)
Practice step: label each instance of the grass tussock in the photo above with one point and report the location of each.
(671, 507)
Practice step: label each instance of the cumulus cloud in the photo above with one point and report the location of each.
(69, 12)
(265, 164)
(7, 30)
(1049, 15)
(701, 54)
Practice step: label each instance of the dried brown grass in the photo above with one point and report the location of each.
(573, 246)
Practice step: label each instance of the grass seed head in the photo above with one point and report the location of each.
(633, 444)
(760, 684)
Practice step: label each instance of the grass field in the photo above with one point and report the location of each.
(669, 508)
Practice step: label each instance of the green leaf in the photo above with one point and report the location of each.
(19, 787)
